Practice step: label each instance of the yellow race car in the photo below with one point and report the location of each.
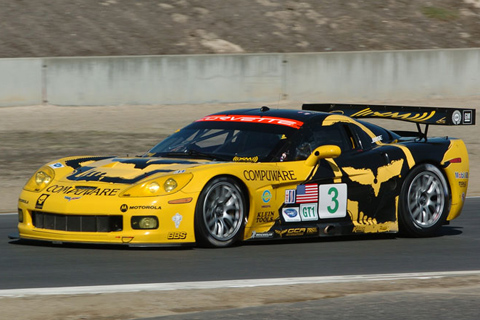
(258, 174)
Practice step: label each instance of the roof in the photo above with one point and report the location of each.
(300, 115)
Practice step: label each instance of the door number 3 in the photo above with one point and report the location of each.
(333, 201)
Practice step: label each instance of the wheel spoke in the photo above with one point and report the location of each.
(426, 215)
(228, 220)
(433, 188)
(416, 213)
(219, 230)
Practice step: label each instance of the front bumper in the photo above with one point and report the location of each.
(56, 218)
(18, 239)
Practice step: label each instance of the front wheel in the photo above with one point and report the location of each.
(220, 213)
(424, 202)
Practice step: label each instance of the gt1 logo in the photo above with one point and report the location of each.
(308, 212)
(333, 201)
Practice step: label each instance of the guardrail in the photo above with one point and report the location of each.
(195, 79)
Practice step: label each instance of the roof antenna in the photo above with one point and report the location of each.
(264, 109)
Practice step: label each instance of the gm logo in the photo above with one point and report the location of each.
(266, 196)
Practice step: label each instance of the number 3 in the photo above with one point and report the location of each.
(334, 200)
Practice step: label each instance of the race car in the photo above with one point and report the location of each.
(259, 174)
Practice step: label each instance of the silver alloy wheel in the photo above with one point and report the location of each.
(223, 211)
(426, 199)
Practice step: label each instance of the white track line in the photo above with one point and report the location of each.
(248, 283)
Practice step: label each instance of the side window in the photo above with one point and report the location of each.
(359, 137)
(334, 134)
(317, 135)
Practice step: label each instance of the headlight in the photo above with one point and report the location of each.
(170, 185)
(153, 187)
(40, 180)
(42, 177)
(159, 187)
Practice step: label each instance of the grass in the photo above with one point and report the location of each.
(438, 13)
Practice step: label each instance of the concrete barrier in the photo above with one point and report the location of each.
(21, 82)
(191, 79)
(397, 75)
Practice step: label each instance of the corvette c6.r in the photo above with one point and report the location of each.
(259, 174)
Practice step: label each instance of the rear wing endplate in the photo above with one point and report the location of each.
(419, 115)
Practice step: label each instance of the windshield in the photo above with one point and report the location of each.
(233, 141)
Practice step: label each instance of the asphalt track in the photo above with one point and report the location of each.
(456, 248)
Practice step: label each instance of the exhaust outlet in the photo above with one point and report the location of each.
(329, 229)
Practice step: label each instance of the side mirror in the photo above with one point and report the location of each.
(323, 152)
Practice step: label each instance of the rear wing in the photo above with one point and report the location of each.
(419, 115)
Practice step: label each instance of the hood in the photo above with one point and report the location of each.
(125, 170)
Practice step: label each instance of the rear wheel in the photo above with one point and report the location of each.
(424, 202)
(220, 213)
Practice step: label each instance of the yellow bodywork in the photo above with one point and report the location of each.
(172, 193)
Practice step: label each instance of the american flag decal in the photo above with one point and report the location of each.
(307, 193)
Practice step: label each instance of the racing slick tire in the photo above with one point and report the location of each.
(424, 202)
(220, 213)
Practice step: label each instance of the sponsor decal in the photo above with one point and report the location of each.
(56, 165)
(254, 119)
(266, 196)
(245, 159)
(462, 184)
(456, 117)
(441, 121)
(125, 208)
(292, 232)
(269, 175)
(467, 117)
(177, 218)
(145, 208)
(88, 175)
(311, 231)
(177, 235)
(178, 171)
(41, 201)
(307, 193)
(419, 116)
(333, 201)
(72, 198)
(308, 212)
(291, 214)
(265, 217)
(264, 235)
(377, 138)
(289, 196)
(461, 175)
(86, 191)
(23, 201)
